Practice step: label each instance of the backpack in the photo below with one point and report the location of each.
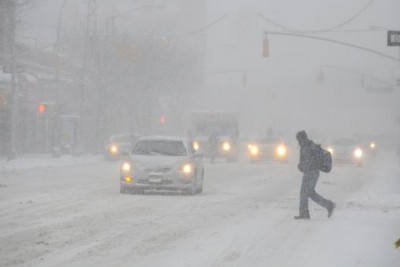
(322, 158)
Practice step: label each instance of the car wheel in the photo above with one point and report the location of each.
(192, 190)
(200, 188)
(136, 191)
(123, 190)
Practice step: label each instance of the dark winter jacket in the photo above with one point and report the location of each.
(307, 159)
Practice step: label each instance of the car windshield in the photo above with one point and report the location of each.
(228, 128)
(160, 147)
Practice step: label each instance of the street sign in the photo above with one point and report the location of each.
(9, 69)
(393, 38)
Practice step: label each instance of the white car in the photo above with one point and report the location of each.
(268, 149)
(162, 163)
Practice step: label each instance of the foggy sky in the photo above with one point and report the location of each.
(281, 91)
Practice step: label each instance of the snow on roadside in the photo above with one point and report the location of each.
(38, 161)
(383, 193)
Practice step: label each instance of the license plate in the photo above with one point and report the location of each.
(155, 180)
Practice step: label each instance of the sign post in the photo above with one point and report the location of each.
(393, 38)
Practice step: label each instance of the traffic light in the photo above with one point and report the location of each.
(46, 108)
(41, 109)
(163, 120)
(125, 51)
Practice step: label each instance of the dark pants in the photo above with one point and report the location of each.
(308, 184)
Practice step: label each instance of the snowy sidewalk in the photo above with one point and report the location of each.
(38, 161)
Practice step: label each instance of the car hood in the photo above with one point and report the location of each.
(151, 162)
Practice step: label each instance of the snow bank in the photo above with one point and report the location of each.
(37, 161)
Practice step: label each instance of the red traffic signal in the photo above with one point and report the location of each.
(42, 108)
(163, 120)
(47, 108)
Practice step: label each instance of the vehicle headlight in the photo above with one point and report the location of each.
(126, 167)
(372, 145)
(281, 150)
(196, 145)
(226, 146)
(187, 168)
(330, 149)
(358, 153)
(114, 149)
(254, 150)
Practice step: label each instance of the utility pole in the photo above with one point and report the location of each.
(11, 13)
(91, 25)
(58, 66)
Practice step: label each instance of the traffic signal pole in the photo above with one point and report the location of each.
(11, 153)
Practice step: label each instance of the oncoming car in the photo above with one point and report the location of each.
(346, 151)
(215, 134)
(118, 145)
(162, 163)
(372, 148)
(268, 149)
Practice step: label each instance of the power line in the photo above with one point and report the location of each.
(357, 72)
(337, 26)
(281, 26)
(334, 41)
(209, 25)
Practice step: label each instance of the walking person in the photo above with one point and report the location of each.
(309, 168)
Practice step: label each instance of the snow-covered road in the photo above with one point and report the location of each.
(74, 215)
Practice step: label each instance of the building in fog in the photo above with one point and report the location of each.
(137, 62)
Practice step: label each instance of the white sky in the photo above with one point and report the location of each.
(282, 90)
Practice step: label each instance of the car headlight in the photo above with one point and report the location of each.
(281, 151)
(196, 145)
(254, 150)
(114, 149)
(126, 167)
(187, 168)
(358, 153)
(330, 149)
(372, 145)
(226, 146)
